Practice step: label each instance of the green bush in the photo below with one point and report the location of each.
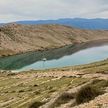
(86, 94)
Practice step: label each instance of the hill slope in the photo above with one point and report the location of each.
(16, 38)
(55, 88)
(93, 24)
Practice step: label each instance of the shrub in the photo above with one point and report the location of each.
(86, 94)
(36, 92)
(35, 85)
(20, 91)
(36, 104)
(62, 99)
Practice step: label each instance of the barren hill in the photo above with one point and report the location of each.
(16, 38)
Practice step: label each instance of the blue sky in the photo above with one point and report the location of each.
(13, 10)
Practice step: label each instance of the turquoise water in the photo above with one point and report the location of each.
(84, 56)
(62, 57)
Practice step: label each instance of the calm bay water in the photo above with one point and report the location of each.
(55, 58)
(82, 57)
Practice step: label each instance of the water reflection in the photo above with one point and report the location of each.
(66, 56)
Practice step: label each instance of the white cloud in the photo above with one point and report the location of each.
(12, 10)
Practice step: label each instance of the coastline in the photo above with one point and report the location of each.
(22, 60)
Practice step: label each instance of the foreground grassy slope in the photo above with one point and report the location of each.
(15, 38)
(45, 87)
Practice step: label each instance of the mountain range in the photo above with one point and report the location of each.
(92, 24)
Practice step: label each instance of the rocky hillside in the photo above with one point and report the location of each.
(16, 38)
(83, 86)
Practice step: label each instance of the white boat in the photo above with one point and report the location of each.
(44, 59)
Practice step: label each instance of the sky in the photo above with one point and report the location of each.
(15, 10)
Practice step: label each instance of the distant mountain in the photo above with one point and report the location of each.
(92, 24)
(1, 24)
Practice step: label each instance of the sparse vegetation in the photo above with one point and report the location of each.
(25, 88)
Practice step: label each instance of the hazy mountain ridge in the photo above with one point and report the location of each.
(16, 38)
(93, 24)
